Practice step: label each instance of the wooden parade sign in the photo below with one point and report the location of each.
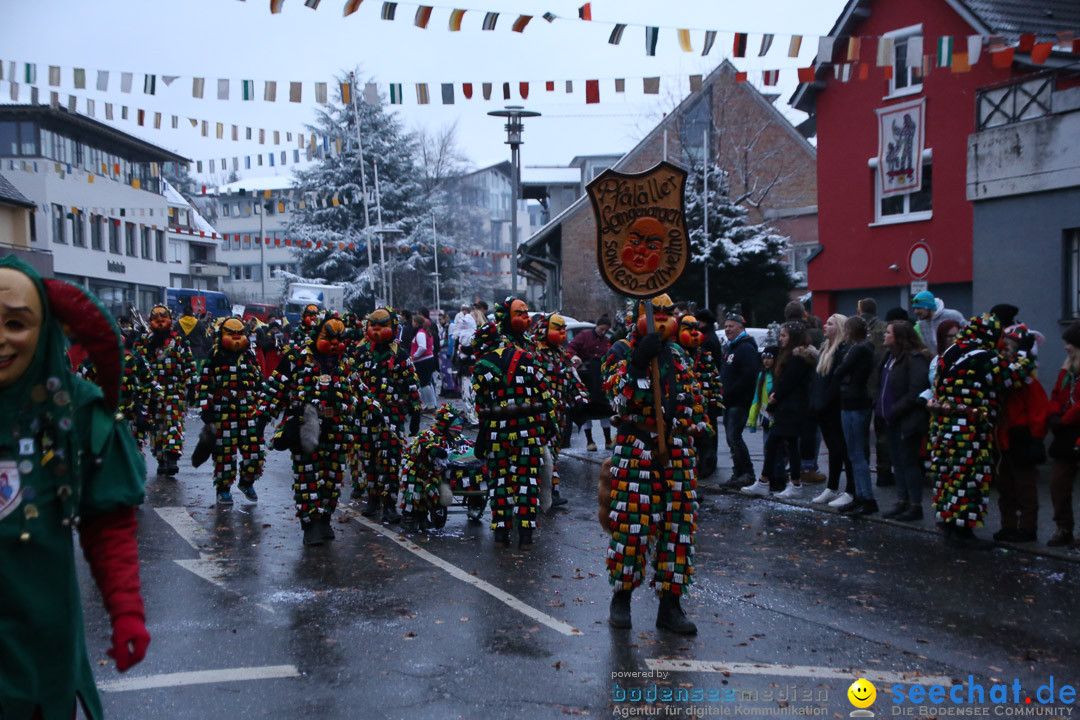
(641, 240)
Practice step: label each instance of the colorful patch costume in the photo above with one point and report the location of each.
(385, 367)
(653, 497)
(972, 380)
(139, 393)
(424, 468)
(326, 408)
(173, 368)
(517, 418)
(706, 368)
(227, 395)
(548, 335)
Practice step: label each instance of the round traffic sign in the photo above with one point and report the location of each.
(919, 260)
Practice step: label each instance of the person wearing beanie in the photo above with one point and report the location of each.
(1063, 421)
(930, 313)
(738, 373)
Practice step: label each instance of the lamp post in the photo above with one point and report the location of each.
(388, 291)
(514, 127)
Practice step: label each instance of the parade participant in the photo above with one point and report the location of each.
(653, 496)
(548, 335)
(969, 389)
(66, 460)
(227, 394)
(517, 418)
(309, 318)
(385, 367)
(1063, 420)
(271, 343)
(173, 368)
(587, 350)
(422, 472)
(707, 371)
(326, 405)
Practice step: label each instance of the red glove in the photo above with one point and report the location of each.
(108, 542)
(129, 641)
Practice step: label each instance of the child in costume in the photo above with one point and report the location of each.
(425, 463)
(227, 394)
(517, 419)
(326, 405)
(386, 369)
(548, 335)
(173, 368)
(972, 379)
(67, 459)
(653, 496)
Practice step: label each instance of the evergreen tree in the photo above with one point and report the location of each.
(746, 262)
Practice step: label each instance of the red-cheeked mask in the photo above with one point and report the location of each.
(379, 330)
(690, 335)
(310, 316)
(519, 316)
(556, 333)
(663, 318)
(234, 335)
(160, 319)
(331, 340)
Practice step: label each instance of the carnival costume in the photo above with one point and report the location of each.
(548, 335)
(227, 395)
(385, 367)
(326, 406)
(706, 368)
(139, 393)
(173, 368)
(652, 496)
(517, 419)
(971, 383)
(423, 471)
(67, 458)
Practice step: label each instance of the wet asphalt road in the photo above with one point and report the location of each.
(373, 630)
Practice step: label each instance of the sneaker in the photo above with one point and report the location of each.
(791, 492)
(249, 492)
(759, 488)
(845, 499)
(224, 497)
(1061, 538)
(827, 495)
(591, 447)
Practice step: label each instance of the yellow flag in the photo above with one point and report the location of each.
(684, 40)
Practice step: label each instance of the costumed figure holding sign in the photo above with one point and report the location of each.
(642, 250)
(67, 459)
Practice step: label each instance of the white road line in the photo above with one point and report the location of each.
(180, 520)
(200, 677)
(476, 582)
(874, 676)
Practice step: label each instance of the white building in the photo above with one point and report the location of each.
(193, 246)
(100, 207)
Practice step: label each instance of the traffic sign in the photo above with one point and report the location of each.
(919, 260)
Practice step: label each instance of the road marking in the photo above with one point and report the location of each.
(874, 676)
(180, 520)
(476, 582)
(200, 677)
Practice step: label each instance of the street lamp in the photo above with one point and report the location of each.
(513, 115)
(387, 287)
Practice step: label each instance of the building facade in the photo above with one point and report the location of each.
(98, 194)
(192, 246)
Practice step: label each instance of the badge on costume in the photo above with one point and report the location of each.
(324, 379)
(26, 446)
(10, 488)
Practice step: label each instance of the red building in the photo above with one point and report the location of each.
(867, 236)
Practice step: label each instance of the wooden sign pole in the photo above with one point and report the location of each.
(658, 406)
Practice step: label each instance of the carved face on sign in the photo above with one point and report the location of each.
(643, 245)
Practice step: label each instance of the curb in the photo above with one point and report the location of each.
(597, 458)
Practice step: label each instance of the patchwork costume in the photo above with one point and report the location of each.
(67, 459)
(173, 368)
(972, 380)
(385, 368)
(517, 419)
(139, 393)
(706, 369)
(424, 470)
(227, 396)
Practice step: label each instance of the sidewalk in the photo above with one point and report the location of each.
(885, 496)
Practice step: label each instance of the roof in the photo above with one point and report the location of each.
(198, 222)
(9, 195)
(271, 182)
(137, 150)
(1009, 18)
(550, 175)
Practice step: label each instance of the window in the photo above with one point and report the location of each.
(247, 272)
(225, 209)
(693, 126)
(58, 234)
(1072, 268)
(247, 242)
(159, 245)
(96, 232)
(18, 138)
(144, 237)
(129, 240)
(237, 272)
(907, 69)
(114, 236)
(78, 230)
(174, 251)
(909, 207)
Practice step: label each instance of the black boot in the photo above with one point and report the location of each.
(525, 535)
(607, 438)
(326, 527)
(619, 610)
(501, 537)
(371, 507)
(671, 616)
(312, 532)
(590, 443)
(172, 461)
(409, 522)
(867, 507)
(898, 509)
(437, 517)
(390, 513)
(557, 500)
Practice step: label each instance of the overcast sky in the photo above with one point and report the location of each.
(242, 40)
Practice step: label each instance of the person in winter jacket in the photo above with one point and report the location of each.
(856, 407)
(789, 406)
(587, 350)
(931, 312)
(1020, 435)
(738, 373)
(826, 402)
(763, 389)
(1063, 420)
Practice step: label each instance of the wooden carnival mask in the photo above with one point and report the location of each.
(380, 327)
(519, 316)
(160, 319)
(234, 335)
(331, 339)
(690, 335)
(556, 332)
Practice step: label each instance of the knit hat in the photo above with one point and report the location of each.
(1072, 334)
(736, 317)
(1006, 313)
(897, 313)
(924, 301)
(770, 351)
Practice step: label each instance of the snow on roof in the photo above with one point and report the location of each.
(273, 182)
(544, 175)
(172, 195)
(198, 222)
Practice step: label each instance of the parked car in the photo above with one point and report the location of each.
(260, 311)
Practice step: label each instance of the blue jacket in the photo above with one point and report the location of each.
(739, 371)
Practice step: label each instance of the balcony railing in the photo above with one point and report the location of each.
(1031, 97)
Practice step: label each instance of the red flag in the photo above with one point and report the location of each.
(1040, 52)
(806, 74)
(585, 11)
(550, 86)
(523, 88)
(739, 48)
(466, 90)
(864, 70)
(1027, 41)
(1003, 58)
(592, 92)
(888, 72)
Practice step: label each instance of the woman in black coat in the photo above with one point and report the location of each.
(826, 403)
(789, 408)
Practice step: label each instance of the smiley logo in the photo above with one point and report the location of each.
(862, 693)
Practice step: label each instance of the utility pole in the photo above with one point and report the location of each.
(435, 244)
(387, 286)
(705, 204)
(363, 175)
(262, 246)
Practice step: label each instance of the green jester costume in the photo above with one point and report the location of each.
(67, 459)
